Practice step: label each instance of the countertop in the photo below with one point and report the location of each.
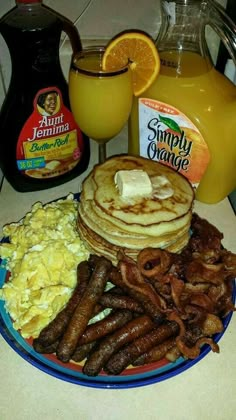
(205, 391)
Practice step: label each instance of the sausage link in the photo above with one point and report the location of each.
(57, 326)
(84, 310)
(119, 361)
(109, 300)
(81, 352)
(93, 260)
(156, 353)
(40, 348)
(106, 326)
(114, 342)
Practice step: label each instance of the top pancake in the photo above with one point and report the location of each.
(139, 214)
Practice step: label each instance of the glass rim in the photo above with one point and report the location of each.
(94, 50)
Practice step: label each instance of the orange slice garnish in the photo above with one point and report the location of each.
(138, 49)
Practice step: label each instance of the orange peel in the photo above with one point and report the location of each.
(137, 49)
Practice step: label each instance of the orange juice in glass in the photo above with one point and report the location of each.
(100, 100)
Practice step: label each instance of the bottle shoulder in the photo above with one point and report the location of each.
(31, 18)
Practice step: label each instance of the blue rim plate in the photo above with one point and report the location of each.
(72, 372)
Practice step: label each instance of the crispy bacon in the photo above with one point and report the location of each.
(229, 261)
(205, 241)
(194, 351)
(212, 325)
(194, 314)
(177, 287)
(202, 300)
(143, 292)
(200, 272)
(153, 262)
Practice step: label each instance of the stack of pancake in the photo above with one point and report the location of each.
(109, 222)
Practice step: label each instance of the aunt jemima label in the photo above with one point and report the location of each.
(50, 143)
(168, 136)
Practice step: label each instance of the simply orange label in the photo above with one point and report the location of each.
(168, 136)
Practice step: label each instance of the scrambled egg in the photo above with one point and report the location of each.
(42, 259)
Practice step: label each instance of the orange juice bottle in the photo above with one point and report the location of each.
(187, 118)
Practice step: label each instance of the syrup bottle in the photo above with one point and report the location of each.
(41, 146)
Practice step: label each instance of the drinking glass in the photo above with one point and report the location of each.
(100, 100)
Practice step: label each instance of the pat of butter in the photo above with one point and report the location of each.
(159, 181)
(132, 183)
(162, 188)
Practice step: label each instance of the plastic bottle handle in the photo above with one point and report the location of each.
(224, 27)
(73, 35)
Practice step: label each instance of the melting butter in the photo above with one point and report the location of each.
(136, 182)
(162, 188)
(132, 183)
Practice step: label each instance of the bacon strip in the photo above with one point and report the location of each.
(132, 281)
(153, 262)
(193, 352)
(200, 272)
